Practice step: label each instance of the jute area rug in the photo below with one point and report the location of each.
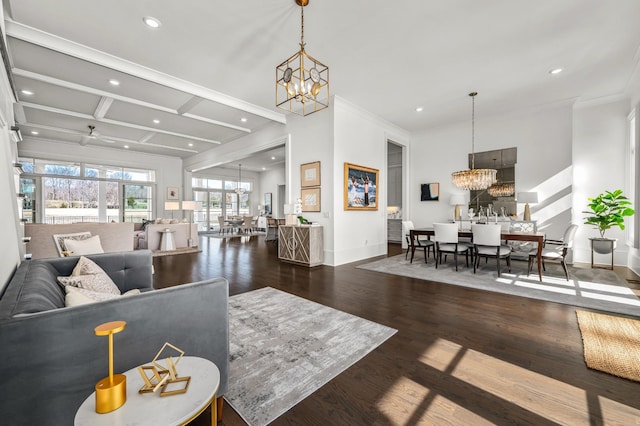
(283, 348)
(599, 289)
(611, 343)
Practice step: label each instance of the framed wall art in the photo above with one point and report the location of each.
(310, 174)
(173, 193)
(310, 199)
(430, 192)
(361, 187)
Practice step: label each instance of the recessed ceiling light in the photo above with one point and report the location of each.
(33, 132)
(126, 147)
(273, 158)
(419, 109)
(156, 121)
(114, 82)
(26, 92)
(264, 168)
(190, 144)
(151, 22)
(243, 119)
(555, 71)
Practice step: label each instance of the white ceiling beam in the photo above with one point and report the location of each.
(68, 47)
(189, 105)
(146, 138)
(115, 122)
(114, 96)
(75, 132)
(103, 107)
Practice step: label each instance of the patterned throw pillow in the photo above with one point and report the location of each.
(58, 239)
(89, 276)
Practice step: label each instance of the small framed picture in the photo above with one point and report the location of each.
(173, 193)
(310, 174)
(310, 199)
(430, 192)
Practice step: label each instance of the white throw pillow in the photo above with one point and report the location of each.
(91, 245)
(79, 296)
(60, 238)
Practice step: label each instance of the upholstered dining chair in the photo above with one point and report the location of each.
(557, 250)
(487, 243)
(420, 244)
(446, 239)
(223, 226)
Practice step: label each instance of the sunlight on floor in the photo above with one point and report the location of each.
(511, 383)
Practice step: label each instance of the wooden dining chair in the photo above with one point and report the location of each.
(556, 250)
(446, 239)
(420, 243)
(487, 243)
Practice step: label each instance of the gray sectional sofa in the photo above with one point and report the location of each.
(50, 356)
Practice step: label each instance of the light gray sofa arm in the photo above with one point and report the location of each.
(52, 360)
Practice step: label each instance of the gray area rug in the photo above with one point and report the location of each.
(232, 235)
(588, 288)
(283, 348)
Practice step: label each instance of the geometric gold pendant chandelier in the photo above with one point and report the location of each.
(474, 179)
(302, 82)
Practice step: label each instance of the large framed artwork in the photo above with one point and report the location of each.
(361, 189)
(310, 199)
(430, 192)
(310, 174)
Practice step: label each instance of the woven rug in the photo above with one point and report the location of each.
(611, 344)
(283, 348)
(599, 289)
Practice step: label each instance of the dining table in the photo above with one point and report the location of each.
(536, 237)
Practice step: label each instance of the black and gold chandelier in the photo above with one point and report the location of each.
(302, 82)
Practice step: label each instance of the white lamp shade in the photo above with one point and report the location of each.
(172, 205)
(528, 197)
(189, 205)
(457, 199)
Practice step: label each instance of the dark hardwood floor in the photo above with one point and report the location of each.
(460, 357)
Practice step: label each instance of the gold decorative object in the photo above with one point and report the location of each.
(302, 82)
(163, 376)
(474, 179)
(111, 392)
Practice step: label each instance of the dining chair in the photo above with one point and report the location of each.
(446, 239)
(247, 224)
(419, 244)
(272, 230)
(223, 226)
(557, 250)
(487, 243)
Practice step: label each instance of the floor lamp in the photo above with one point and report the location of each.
(190, 206)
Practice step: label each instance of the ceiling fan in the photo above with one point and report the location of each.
(93, 135)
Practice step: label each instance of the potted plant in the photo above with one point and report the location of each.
(607, 210)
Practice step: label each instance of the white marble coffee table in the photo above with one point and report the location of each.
(151, 408)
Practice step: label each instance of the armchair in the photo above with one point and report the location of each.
(557, 251)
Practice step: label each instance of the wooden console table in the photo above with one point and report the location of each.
(302, 244)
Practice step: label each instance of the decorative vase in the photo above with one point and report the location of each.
(603, 245)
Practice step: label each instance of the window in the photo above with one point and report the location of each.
(632, 180)
(75, 192)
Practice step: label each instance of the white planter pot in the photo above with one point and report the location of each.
(603, 245)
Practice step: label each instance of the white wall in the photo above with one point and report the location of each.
(599, 164)
(543, 140)
(268, 182)
(360, 138)
(168, 169)
(11, 233)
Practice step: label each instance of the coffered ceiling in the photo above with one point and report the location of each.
(207, 73)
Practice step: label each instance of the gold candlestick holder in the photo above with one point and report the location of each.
(111, 392)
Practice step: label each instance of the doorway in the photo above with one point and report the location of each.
(394, 192)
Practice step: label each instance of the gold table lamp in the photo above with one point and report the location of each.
(111, 392)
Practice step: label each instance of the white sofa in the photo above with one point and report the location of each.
(150, 238)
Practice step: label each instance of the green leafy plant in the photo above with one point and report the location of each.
(607, 210)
